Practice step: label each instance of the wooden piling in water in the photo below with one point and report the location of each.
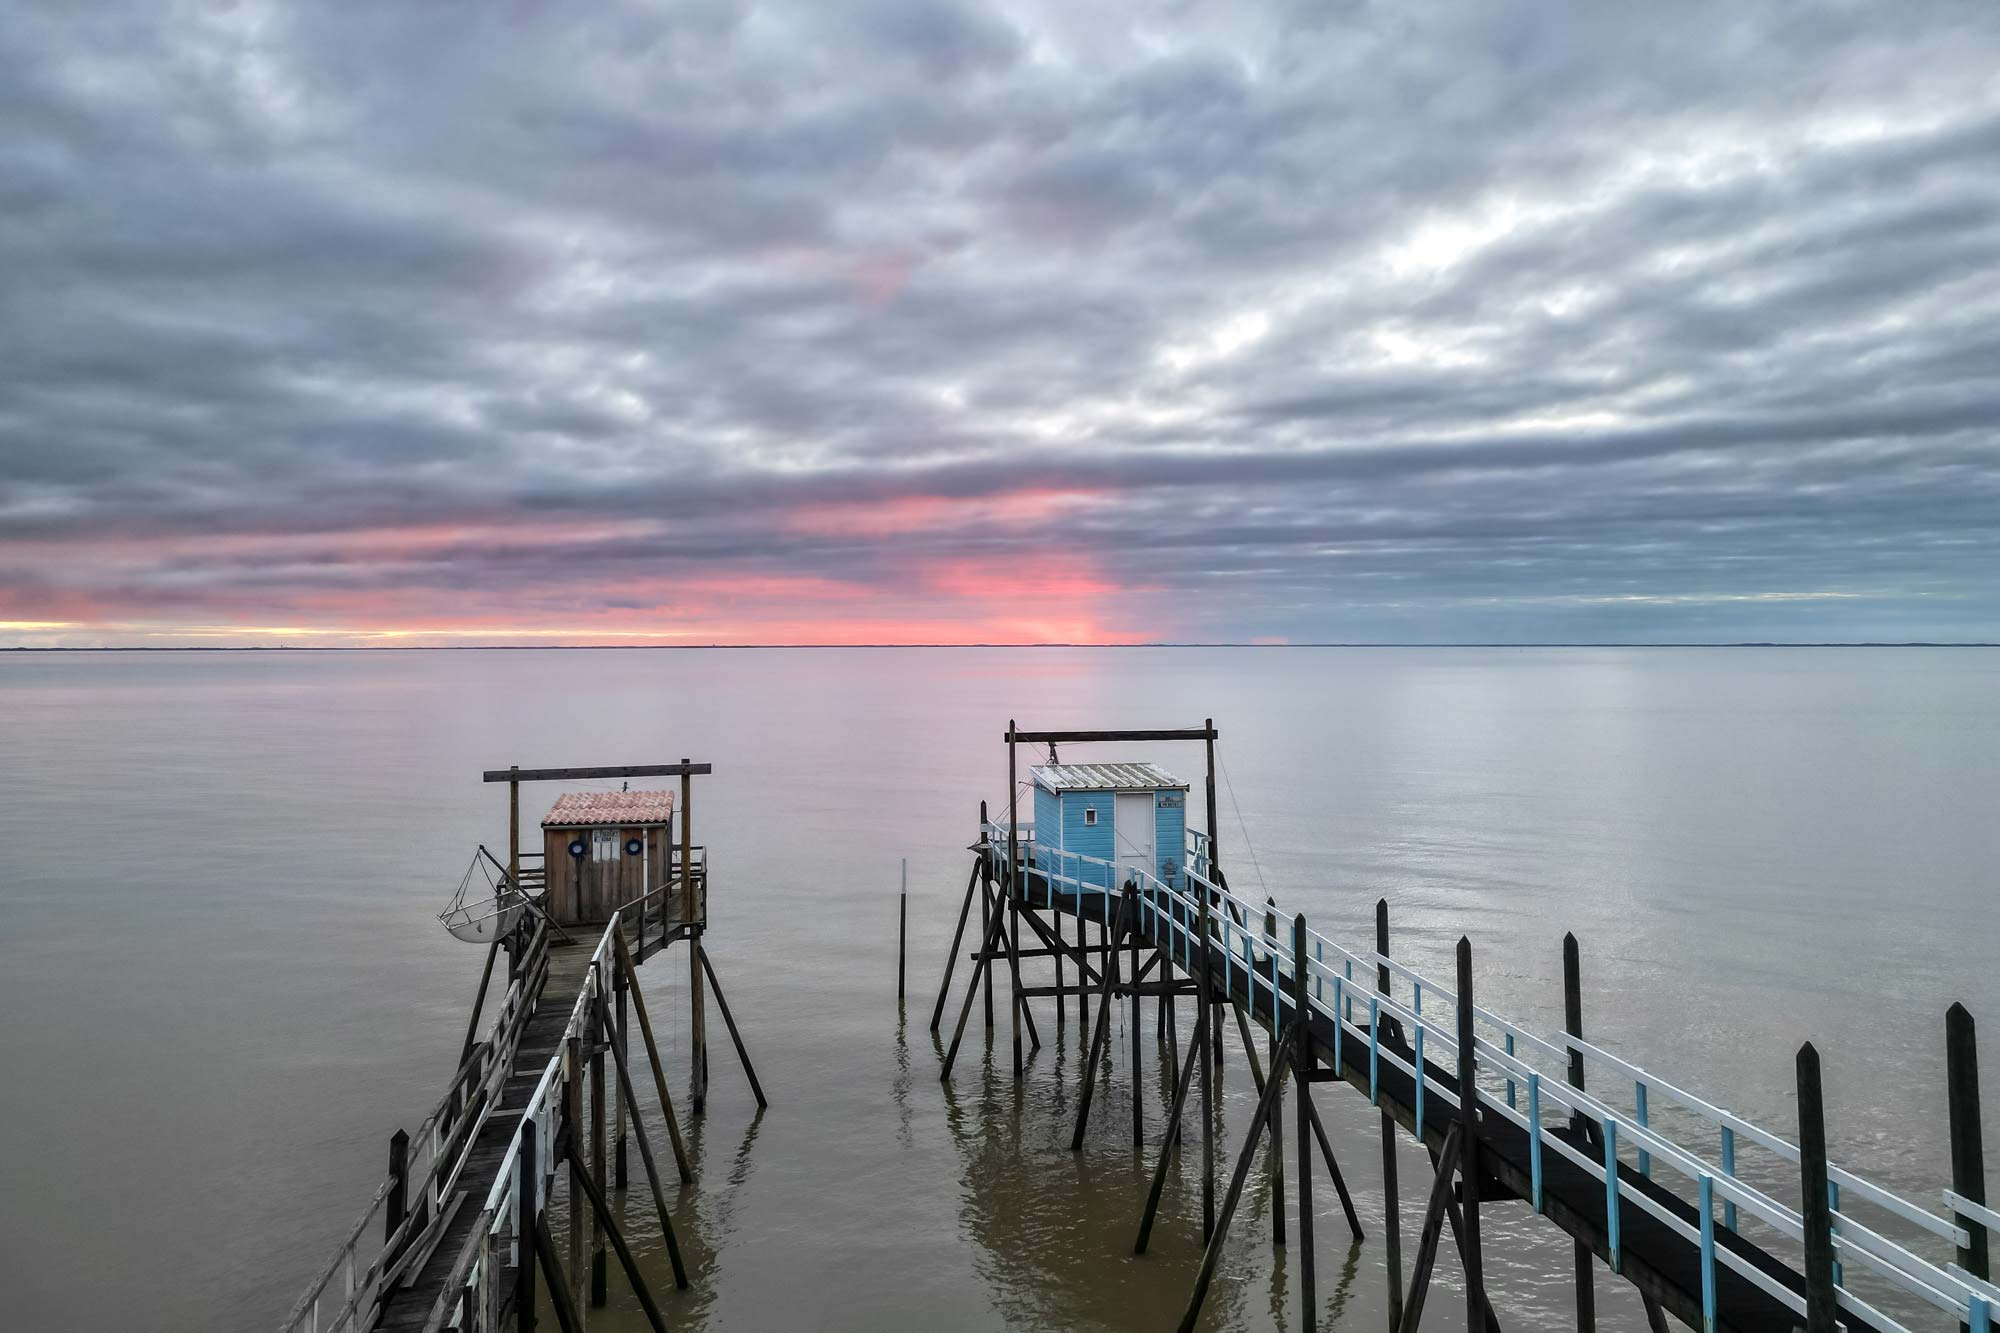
(572, 1119)
(621, 1034)
(653, 1057)
(397, 1207)
(1302, 1070)
(527, 1185)
(596, 1028)
(630, 1097)
(1207, 1018)
(1138, 1087)
(902, 930)
(691, 915)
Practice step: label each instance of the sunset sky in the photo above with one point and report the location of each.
(915, 321)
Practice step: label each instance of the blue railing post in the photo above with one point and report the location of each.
(1535, 1138)
(1833, 1206)
(1611, 1191)
(1421, 1080)
(1707, 1253)
(1374, 1049)
(1981, 1313)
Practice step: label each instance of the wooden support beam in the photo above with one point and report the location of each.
(1138, 1084)
(397, 1207)
(625, 1260)
(1277, 1158)
(1209, 1021)
(951, 955)
(1207, 733)
(653, 1057)
(520, 775)
(1212, 1255)
(985, 903)
(691, 919)
(621, 1033)
(981, 970)
(1412, 1308)
(1102, 1032)
(1468, 1124)
(735, 1037)
(1013, 893)
(579, 1170)
(544, 1248)
(631, 1099)
(1167, 1145)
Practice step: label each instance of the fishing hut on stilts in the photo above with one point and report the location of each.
(1121, 902)
(463, 1219)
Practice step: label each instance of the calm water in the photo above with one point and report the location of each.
(223, 987)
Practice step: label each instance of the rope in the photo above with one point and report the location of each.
(1247, 846)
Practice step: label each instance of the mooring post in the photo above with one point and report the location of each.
(399, 1184)
(1968, 1154)
(1586, 1274)
(527, 1181)
(1302, 1068)
(598, 1045)
(1822, 1309)
(1468, 1156)
(1392, 1226)
(902, 930)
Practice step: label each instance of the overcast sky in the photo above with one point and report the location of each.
(915, 321)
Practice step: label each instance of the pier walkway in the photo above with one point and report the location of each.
(1645, 1181)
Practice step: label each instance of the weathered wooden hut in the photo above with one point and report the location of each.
(1132, 815)
(604, 849)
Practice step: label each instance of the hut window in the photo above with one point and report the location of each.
(604, 844)
(1090, 814)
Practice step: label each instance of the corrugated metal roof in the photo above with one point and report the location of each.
(581, 809)
(1105, 777)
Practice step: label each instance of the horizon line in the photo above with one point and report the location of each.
(1164, 643)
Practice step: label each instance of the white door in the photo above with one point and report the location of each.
(1132, 829)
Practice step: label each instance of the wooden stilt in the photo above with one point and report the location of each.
(692, 918)
(1211, 1256)
(621, 1033)
(1392, 1226)
(1822, 1309)
(1167, 1146)
(1968, 1153)
(957, 938)
(1100, 1036)
(579, 1170)
(1427, 1237)
(527, 1210)
(544, 1248)
(618, 1246)
(735, 1037)
(1468, 1125)
(981, 970)
(1013, 895)
(1208, 1021)
(630, 1098)
(1302, 1068)
(478, 1002)
(1586, 1271)
(1131, 909)
(1277, 1076)
(597, 1143)
(653, 1057)
(986, 902)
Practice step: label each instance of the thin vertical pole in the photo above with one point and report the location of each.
(1586, 1274)
(986, 907)
(1132, 960)
(1302, 1066)
(1277, 1073)
(1204, 1002)
(1214, 824)
(690, 913)
(1468, 1150)
(1822, 1310)
(1013, 895)
(597, 1145)
(1707, 1253)
(527, 1179)
(514, 861)
(573, 1123)
(1968, 1154)
(621, 1034)
(1392, 1226)
(902, 929)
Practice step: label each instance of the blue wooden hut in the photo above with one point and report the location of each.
(1131, 815)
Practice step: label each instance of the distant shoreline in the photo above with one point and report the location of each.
(871, 647)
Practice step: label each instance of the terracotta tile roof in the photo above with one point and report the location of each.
(580, 809)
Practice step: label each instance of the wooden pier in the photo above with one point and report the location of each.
(1506, 1115)
(463, 1216)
